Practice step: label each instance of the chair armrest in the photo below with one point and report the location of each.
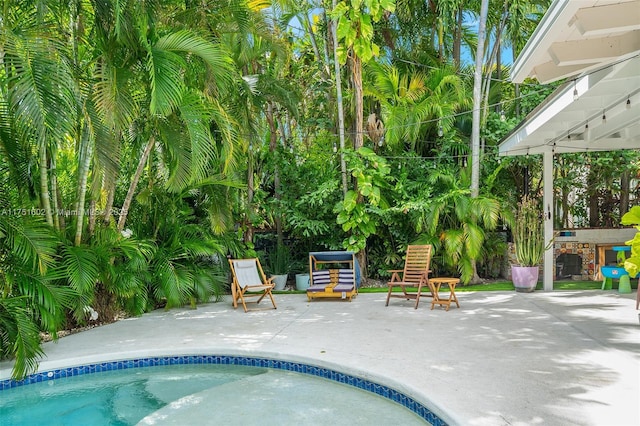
(395, 276)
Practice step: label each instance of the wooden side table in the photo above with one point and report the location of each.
(435, 283)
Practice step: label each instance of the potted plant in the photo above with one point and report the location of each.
(528, 239)
(632, 263)
(278, 263)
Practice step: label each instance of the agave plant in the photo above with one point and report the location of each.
(528, 236)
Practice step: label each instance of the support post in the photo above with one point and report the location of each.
(547, 199)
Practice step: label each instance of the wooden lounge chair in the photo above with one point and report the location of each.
(249, 281)
(415, 275)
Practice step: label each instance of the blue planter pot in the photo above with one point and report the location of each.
(302, 281)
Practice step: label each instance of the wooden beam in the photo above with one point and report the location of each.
(589, 51)
(608, 19)
(550, 72)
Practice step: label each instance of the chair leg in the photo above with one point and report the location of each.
(389, 295)
(234, 295)
(244, 305)
(418, 295)
(272, 301)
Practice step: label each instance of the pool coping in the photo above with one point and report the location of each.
(385, 391)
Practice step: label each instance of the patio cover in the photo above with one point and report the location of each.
(595, 45)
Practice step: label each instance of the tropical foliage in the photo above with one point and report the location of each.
(632, 263)
(143, 142)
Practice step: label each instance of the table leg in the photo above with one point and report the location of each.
(452, 289)
(436, 298)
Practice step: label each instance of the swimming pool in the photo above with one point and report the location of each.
(229, 389)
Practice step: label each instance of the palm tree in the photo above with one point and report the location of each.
(30, 298)
(149, 86)
(38, 88)
(181, 266)
(416, 104)
(459, 221)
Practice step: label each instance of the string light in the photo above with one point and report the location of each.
(575, 91)
(462, 113)
(449, 116)
(604, 117)
(335, 147)
(586, 131)
(440, 129)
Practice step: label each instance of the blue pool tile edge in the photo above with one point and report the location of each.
(297, 367)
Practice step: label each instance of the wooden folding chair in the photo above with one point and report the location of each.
(249, 281)
(415, 274)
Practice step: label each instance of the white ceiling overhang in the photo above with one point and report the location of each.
(566, 123)
(596, 44)
(578, 36)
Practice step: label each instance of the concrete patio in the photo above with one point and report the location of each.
(503, 358)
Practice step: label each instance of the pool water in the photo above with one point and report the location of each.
(198, 394)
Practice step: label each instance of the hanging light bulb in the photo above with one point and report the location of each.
(575, 91)
(291, 149)
(586, 131)
(502, 116)
(604, 117)
(381, 141)
(628, 106)
(440, 130)
(335, 147)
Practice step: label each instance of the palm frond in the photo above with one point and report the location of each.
(30, 240)
(19, 336)
(42, 92)
(116, 106)
(178, 156)
(173, 282)
(196, 117)
(81, 267)
(214, 55)
(167, 86)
